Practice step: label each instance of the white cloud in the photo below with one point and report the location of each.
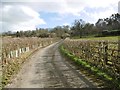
(105, 13)
(58, 6)
(119, 7)
(66, 24)
(99, 3)
(18, 17)
(65, 6)
(29, 11)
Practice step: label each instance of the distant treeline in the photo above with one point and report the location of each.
(103, 27)
(110, 33)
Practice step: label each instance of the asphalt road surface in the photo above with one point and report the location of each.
(48, 69)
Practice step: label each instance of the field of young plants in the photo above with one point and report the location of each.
(100, 57)
(16, 50)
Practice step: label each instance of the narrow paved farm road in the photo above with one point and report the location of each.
(48, 69)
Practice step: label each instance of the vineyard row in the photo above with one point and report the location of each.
(104, 55)
(14, 47)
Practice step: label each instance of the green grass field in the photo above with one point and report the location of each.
(100, 38)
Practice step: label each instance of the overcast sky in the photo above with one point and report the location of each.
(29, 14)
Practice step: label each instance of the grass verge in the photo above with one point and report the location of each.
(111, 38)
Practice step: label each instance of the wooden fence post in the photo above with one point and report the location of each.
(105, 52)
(119, 48)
